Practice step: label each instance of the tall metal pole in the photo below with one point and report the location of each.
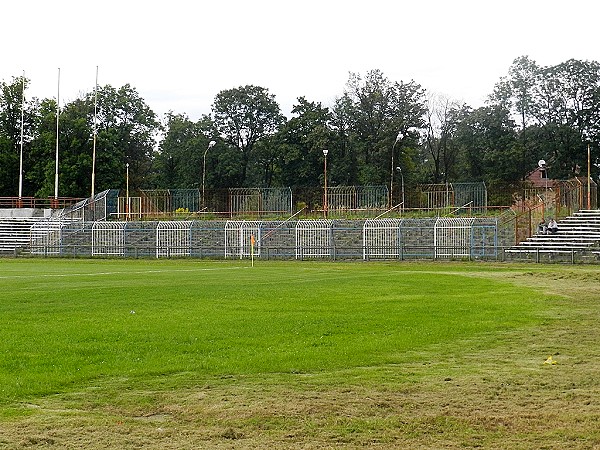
(325, 151)
(21, 153)
(210, 145)
(127, 190)
(398, 139)
(95, 132)
(589, 202)
(402, 186)
(57, 113)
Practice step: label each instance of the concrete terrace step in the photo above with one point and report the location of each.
(554, 244)
(546, 250)
(574, 233)
(579, 232)
(542, 241)
(580, 223)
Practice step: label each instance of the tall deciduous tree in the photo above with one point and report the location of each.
(488, 141)
(376, 110)
(127, 130)
(178, 164)
(302, 141)
(41, 160)
(443, 117)
(558, 111)
(243, 116)
(11, 104)
(75, 145)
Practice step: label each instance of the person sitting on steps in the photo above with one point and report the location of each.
(542, 229)
(552, 226)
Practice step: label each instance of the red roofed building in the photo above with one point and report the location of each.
(538, 181)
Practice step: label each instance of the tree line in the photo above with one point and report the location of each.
(533, 113)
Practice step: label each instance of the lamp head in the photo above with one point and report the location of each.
(325, 151)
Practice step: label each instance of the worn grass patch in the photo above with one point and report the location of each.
(188, 354)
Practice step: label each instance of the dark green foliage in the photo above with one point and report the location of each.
(534, 113)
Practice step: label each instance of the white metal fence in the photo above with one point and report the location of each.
(381, 238)
(46, 237)
(314, 238)
(329, 239)
(173, 238)
(452, 237)
(238, 238)
(108, 238)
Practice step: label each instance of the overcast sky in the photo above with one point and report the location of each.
(179, 54)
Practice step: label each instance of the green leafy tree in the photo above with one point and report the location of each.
(558, 112)
(184, 154)
(127, 130)
(11, 104)
(179, 162)
(345, 154)
(375, 110)
(517, 92)
(41, 160)
(243, 116)
(75, 146)
(489, 142)
(301, 142)
(443, 117)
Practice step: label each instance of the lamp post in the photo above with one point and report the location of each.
(127, 206)
(211, 144)
(544, 174)
(325, 151)
(589, 199)
(398, 139)
(402, 186)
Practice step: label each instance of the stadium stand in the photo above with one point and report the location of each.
(577, 233)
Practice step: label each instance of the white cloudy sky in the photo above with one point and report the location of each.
(179, 54)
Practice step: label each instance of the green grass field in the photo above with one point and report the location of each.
(217, 354)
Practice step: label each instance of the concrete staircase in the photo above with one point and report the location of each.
(577, 233)
(14, 233)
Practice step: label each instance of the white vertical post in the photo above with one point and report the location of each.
(21, 152)
(57, 113)
(95, 132)
(589, 201)
(128, 205)
(398, 139)
(325, 151)
(210, 145)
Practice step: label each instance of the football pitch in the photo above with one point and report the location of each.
(218, 354)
